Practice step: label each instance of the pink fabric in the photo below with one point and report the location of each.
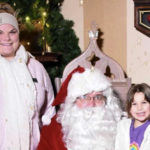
(45, 98)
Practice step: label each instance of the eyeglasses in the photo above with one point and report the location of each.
(95, 97)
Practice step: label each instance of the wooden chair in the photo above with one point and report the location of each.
(93, 56)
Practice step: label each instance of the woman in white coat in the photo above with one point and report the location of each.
(24, 88)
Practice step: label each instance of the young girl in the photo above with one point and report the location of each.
(134, 133)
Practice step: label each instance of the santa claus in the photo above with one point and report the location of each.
(88, 114)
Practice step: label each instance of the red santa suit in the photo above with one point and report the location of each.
(51, 137)
(91, 128)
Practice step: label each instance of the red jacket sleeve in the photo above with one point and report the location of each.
(51, 137)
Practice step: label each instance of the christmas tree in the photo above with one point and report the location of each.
(44, 17)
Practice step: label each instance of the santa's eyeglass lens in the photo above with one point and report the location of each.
(95, 97)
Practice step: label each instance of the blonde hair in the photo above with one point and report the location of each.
(7, 15)
(6, 8)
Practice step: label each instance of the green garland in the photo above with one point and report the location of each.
(57, 31)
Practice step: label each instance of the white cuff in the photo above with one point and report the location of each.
(46, 120)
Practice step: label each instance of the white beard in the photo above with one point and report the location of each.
(92, 128)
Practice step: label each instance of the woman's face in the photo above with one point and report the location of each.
(9, 41)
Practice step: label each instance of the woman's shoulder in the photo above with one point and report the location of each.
(34, 61)
(37, 69)
(35, 65)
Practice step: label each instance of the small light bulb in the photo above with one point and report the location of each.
(47, 1)
(44, 14)
(81, 2)
(27, 18)
(47, 25)
(28, 43)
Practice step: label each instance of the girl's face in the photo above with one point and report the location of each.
(9, 41)
(140, 109)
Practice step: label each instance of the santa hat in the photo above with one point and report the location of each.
(86, 82)
(81, 81)
(60, 98)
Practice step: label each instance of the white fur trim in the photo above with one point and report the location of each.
(46, 118)
(6, 18)
(19, 102)
(88, 81)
